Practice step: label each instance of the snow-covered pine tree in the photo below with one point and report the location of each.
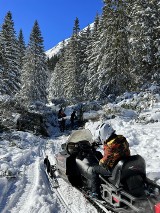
(2, 79)
(114, 77)
(56, 86)
(84, 40)
(22, 47)
(77, 57)
(9, 50)
(91, 86)
(69, 76)
(35, 71)
(143, 28)
(72, 66)
(155, 4)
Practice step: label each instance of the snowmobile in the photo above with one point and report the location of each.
(127, 189)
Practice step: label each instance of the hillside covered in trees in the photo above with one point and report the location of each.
(119, 53)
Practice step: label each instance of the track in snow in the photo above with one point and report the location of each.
(25, 190)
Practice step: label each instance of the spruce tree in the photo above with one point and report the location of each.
(84, 42)
(21, 45)
(9, 55)
(2, 76)
(35, 71)
(114, 77)
(93, 51)
(144, 34)
(70, 72)
(56, 86)
(76, 27)
(155, 4)
(73, 66)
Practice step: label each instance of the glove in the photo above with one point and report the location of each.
(101, 162)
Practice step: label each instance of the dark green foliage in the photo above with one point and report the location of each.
(51, 62)
(22, 48)
(76, 27)
(30, 121)
(9, 57)
(35, 71)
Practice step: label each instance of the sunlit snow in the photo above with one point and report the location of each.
(24, 186)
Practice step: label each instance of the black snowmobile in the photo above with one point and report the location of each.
(126, 190)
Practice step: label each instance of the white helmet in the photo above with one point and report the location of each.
(105, 131)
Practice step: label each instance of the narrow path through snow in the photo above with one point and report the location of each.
(25, 190)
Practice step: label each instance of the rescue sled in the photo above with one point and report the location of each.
(126, 190)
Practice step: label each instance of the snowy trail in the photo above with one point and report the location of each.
(25, 190)
(18, 194)
(8, 186)
(32, 192)
(69, 196)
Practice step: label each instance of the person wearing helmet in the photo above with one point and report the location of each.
(115, 146)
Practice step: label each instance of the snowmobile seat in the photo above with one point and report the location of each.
(116, 174)
(130, 166)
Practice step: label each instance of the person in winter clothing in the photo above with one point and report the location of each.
(61, 120)
(89, 160)
(47, 163)
(72, 118)
(115, 146)
(60, 113)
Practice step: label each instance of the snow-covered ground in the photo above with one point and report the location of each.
(24, 187)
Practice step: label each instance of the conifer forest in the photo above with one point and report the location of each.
(119, 52)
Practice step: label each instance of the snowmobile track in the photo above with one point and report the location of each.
(97, 204)
(60, 196)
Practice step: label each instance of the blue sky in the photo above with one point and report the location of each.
(55, 17)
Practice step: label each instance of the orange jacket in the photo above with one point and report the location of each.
(114, 150)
